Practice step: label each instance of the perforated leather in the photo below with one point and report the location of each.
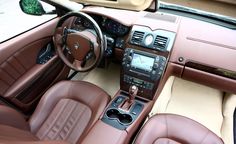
(67, 111)
(67, 121)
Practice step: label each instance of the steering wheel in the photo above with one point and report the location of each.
(83, 46)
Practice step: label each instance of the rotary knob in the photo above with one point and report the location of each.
(155, 65)
(129, 58)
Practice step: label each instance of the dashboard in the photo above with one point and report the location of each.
(195, 50)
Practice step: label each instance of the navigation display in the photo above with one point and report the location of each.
(142, 62)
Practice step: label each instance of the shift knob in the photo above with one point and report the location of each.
(133, 90)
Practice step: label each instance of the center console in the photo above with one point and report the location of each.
(143, 65)
(143, 70)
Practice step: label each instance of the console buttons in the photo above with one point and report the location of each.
(123, 63)
(153, 72)
(118, 100)
(155, 65)
(157, 59)
(137, 108)
(161, 68)
(129, 58)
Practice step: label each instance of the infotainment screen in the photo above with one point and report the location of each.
(142, 62)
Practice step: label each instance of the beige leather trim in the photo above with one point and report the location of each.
(68, 4)
(229, 105)
(138, 5)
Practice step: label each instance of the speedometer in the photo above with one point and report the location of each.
(115, 27)
(87, 24)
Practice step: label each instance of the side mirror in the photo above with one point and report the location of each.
(32, 7)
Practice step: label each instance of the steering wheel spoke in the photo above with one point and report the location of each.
(78, 64)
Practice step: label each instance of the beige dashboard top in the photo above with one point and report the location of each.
(137, 5)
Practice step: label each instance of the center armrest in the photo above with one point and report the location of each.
(112, 129)
(103, 133)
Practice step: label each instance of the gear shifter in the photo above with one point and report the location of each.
(133, 90)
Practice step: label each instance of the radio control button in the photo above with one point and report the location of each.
(155, 65)
(129, 58)
(154, 72)
(161, 68)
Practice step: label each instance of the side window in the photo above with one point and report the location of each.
(13, 21)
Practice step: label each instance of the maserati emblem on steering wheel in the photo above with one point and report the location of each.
(76, 46)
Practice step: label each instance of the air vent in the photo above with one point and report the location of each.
(160, 42)
(137, 37)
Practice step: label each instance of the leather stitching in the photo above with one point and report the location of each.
(19, 62)
(53, 122)
(166, 126)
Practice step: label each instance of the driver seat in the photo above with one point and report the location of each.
(66, 112)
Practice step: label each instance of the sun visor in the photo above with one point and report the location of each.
(137, 5)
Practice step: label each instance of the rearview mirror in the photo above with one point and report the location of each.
(33, 7)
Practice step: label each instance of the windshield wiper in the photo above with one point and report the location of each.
(163, 5)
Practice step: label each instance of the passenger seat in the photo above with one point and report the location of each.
(210, 107)
(175, 129)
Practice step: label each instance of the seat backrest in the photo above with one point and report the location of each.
(67, 111)
(171, 128)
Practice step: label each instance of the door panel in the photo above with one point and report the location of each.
(22, 80)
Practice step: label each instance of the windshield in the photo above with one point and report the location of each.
(223, 8)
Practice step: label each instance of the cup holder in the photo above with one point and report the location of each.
(122, 118)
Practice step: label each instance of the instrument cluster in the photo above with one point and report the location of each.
(107, 25)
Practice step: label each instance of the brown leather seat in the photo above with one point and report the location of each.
(175, 129)
(66, 112)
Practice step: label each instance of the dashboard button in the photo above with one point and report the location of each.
(129, 58)
(155, 65)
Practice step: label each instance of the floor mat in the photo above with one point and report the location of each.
(198, 102)
(107, 79)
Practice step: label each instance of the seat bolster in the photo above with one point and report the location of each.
(175, 129)
(37, 142)
(88, 94)
(10, 134)
(13, 118)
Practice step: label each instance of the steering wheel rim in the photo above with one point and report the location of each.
(60, 41)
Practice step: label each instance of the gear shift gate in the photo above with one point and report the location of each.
(123, 110)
